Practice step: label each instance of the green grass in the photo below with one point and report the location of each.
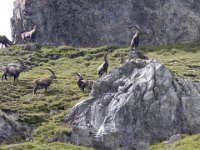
(182, 59)
(44, 111)
(43, 146)
(187, 143)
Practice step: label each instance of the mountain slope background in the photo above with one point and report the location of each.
(44, 112)
(89, 23)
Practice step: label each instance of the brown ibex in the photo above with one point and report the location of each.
(122, 60)
(82, 84)
(135, 40)
(13, 70)
(44, 83)
(30, 34)
(104, 66)
(5, 41)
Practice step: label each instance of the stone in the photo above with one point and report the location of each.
(11, 130)
(32, 47)
(135, 105)
(174, 138)
(136, 54)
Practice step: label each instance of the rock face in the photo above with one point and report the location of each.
(96, 23)
(135, 105)
(12, 131)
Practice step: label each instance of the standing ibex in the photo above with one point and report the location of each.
(30, 34)
(5, 41)
(135, 40)
(13, 70)
(104, 66)
(44, 83)
(122, 60)
(82, 84)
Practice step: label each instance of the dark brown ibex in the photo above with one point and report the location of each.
(104, 66)
(30, 34)
(82, 84)
(5, 41)
(13, 70)
(44, 83)
(135, 40)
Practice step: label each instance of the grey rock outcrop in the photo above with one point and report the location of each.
(174, 138)
(12, 131)
(136, 105)
(96, 23)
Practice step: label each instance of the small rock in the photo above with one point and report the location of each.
(32, 47)
(174, 138)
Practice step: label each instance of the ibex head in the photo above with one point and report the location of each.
(105, 57)
(23, 67)
(79, 75)
(35, 27)
(138, 28)
(53, 76)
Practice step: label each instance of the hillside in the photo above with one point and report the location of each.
(187, 143)
(44, 111)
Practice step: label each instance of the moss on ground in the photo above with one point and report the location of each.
(45, 111)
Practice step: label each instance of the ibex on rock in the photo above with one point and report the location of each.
(82, 84)
(30, 34)
(135, 40)
(122, 60)
(104, 66)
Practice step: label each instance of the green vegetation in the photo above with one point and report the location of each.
(44, 111)
(43, 146)
(187, 143)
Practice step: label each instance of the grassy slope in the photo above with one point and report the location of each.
(183, 59)
(187, 143)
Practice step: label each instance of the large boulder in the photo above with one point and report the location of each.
(137, 104)
(11, 130)
(106, 22)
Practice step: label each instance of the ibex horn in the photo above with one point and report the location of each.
(19, 61)
(50, 71)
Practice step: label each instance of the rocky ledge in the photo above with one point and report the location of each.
(137, 104)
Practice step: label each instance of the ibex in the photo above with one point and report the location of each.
(82, 84)
(135, 40)
(104, 66)
(122, 60)
(43, 83)
(13, 70)
(29, 34)
(5, 41)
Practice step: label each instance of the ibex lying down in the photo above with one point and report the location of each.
(135, 40)
(30, 34)
(5, 41)
(13, 70)
(43, 83)
(82, 84)
(104, 66)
